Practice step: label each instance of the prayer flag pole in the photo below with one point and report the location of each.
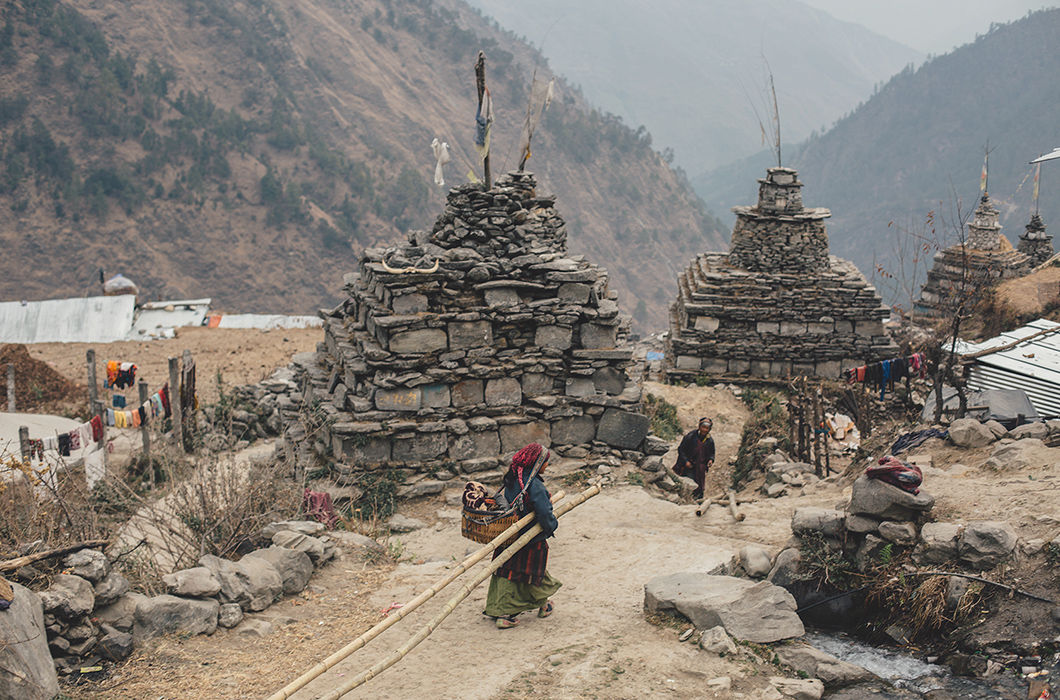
(480, 84)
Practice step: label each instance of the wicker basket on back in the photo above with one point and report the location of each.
(484, 523)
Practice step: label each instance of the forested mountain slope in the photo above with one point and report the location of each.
(917, 147)
(247, 150)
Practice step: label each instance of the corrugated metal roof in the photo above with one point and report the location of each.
(82, 320)
(267, 321)
(1030, 361)
(157, 319)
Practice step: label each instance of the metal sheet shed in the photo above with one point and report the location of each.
(1026, 358)
(81, 320)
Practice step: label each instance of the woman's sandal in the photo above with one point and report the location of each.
(545, 610)
(507, 622)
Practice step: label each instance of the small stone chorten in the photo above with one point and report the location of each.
(989, 257)
(777, 304)
(1035, 243)
(463, 344)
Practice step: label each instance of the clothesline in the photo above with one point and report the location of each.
(91, 432)
(86, 435)
(882, 374)
(157, 404)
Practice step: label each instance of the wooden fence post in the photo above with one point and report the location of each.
(11, 406)
(188, 381)
(100, 410)
(93, 387)
(23, 442)
(145, 434)
(174, 402)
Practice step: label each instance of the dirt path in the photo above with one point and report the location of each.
(598, 642)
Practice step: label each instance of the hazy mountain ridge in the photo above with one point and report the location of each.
(282, 134)
(919, 141)
(687, 71)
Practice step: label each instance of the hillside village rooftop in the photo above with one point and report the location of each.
(777, 304)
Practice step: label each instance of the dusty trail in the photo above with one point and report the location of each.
(598, 642)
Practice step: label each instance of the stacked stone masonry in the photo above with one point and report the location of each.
(778, 304)
(459, 347)
(1035, 243)
(987, 257)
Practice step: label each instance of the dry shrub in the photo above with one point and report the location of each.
(918, 603)
(223, 507)
(41, 508)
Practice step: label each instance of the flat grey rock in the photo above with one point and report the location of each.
(757, 612)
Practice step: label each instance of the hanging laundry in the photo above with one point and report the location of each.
(126, 375)
(36, 449)
(97, 428)
(118, 401)
(441, 157)
(112, 374)
(51, 444)
(135, 416)
(109, 416)
(73, 439)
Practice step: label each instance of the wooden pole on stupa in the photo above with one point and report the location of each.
(480, 84)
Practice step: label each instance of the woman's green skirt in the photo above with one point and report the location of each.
(511, 597)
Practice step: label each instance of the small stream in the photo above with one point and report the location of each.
(909, 677)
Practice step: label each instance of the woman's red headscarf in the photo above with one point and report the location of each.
(526, 458)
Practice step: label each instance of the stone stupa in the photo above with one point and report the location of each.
(777, 305)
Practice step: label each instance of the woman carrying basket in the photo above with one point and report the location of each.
(522, 583)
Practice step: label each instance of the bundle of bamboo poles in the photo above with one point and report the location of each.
(303, 680)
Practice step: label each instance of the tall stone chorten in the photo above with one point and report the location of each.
(988, 257)
(777, 304)
(1035, 243)
(459, 347)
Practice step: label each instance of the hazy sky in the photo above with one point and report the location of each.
(931, 26)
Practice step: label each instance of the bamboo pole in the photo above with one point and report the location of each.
(736, 515)
(455, 600)
(303, 680)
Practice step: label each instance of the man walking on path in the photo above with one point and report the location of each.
(695, 455)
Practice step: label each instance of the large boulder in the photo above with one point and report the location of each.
(167, 614)
(252, 582)
(26, 668)
(985, 544)
(110, 588)
(755, 561)
(302, 543)
(756, 612)
(294, 567)
(938, 543)
(305, 527)
(833, 672)
(88, 564)
(968, 432)
(785, 569)
(823, 521)
(1015, 455)
(1038, 431)
(121, 614)
(196, 582)
(798, 688)
(883, 501)
(69, 597)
